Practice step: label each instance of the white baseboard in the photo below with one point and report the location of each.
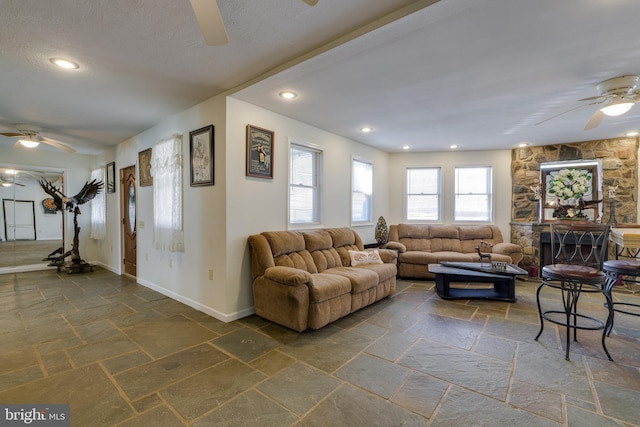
(198, 306)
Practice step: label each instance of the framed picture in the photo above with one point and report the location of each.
(259, 152)
(111, 177)
(559, 190)
(202, 156)
(144, 163)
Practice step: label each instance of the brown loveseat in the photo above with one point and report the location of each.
(306, 279)
(422, 244)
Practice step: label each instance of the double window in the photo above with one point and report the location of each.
(471, 193)
(304, 185)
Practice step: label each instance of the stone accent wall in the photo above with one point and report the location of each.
(619, 166)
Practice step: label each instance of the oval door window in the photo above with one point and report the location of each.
(132, 207)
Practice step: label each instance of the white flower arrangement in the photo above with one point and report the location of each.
(570, 186)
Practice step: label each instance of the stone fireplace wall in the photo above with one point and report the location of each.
(619, 167)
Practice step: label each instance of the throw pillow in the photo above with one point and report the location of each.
(365, 257)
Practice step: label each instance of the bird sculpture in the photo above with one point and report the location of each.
(71, 204)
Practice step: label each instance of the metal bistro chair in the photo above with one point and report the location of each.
(618, 272)
(578, 252)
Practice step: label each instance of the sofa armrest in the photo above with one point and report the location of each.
(396, 246)
(511, 249)
(388, 255)
(288, 276)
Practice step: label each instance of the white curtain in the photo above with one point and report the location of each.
(166, 169)
(98, 209)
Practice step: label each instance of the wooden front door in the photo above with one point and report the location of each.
(129, 235)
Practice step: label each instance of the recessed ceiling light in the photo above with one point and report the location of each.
(366, 129)
(453, 147)
(64, 63)
(522, 144)
(632, 133)
(287, 94)
(406, 147)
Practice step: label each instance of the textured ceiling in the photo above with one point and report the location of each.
(476, 73)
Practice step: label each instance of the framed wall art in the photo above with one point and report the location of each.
(259, 152)
(111, 177)
(144, 162)
(201, 151)
(571, 189)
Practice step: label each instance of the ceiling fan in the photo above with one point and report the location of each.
(210, 20)
(616, 96)
(29, 136)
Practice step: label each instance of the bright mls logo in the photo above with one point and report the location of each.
(37, 415)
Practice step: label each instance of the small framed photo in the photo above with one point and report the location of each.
(111, 177)
(144, 163)
(259, 152)
(201, 150)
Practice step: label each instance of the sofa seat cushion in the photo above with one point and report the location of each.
(384, 271)
(326, 286)
(453, 256)
(361, 278)
(418, 257)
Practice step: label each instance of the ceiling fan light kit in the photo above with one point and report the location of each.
(617, 108)
(29, 143)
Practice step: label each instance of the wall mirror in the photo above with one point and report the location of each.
(29, 229)
(585, 181)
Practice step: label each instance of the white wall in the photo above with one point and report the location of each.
(254, 205)
(183, 276)
(500, 160)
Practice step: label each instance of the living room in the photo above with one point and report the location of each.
(213, 274)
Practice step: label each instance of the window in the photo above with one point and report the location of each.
(166, 169)
(304, 186)
(98, 209)
(423, 194)
(473, 201)
(361, 191)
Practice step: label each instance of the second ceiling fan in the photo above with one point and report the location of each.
(210, 21)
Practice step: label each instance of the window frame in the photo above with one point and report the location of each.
(489, 186)
(438, 194)
(317, 186)
(369, 219)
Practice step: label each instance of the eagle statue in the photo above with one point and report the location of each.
(71, 204)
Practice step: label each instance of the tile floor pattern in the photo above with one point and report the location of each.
(121, 354)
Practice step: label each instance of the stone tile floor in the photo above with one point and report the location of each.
(121, 354)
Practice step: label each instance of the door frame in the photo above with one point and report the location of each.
(123, 212)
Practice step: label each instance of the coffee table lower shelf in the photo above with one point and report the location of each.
(503, 286)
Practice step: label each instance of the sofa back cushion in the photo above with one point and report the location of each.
(414, 237)
(445, 238)
(345, 240)
(472, 236)
(289, 250)
(320, 245)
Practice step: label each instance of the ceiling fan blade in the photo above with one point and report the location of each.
(311, 2)
(57, 144)
(560, 114)
(210, 21)
(595, 120)
(11, 134)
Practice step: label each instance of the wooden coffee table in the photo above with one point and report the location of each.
(504, 282)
